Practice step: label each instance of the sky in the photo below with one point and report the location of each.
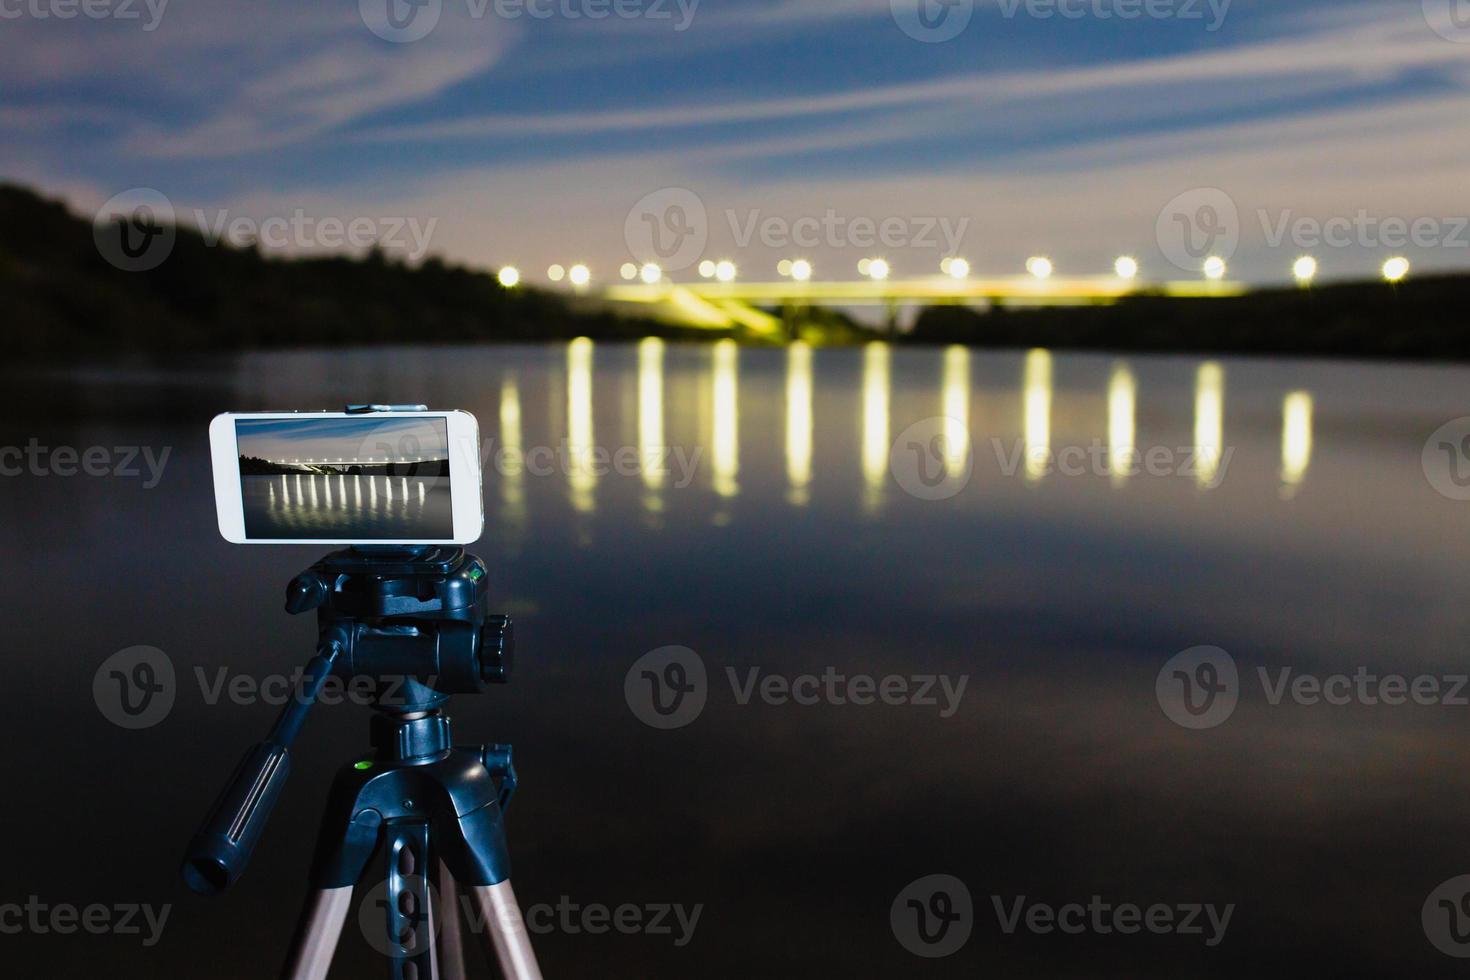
(357, 439)
(533, 132)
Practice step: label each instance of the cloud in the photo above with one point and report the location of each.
(218, 78)
(1260, 73)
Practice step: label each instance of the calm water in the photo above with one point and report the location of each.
(856, 513)
(341, 507)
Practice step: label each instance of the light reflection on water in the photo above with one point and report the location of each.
(1111, 436)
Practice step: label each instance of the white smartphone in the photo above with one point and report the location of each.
(395, 477)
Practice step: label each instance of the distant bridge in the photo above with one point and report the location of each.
(726, 305)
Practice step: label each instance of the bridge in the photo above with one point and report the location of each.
(728, 305)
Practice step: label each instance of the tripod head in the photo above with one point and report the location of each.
(412, 620)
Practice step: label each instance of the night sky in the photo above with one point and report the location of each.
(516, 134)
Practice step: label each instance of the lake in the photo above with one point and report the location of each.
(1081, 634)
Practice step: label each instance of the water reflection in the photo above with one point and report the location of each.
(1122, 435)
(1037, 395)
(956, 408)
(651, 420)
(1296, 439)
(798, 422)
(316, 505)
(719, 447)
(875, 423)
(1209, 421)
(725, 440)
(511, 462)
(581, 476)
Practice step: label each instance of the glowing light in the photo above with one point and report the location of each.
(1122, 444)
(725, 270)
(707, 269)
(509, 276)
(581, 475)
(556, 273)
(783, 268)
(651, 412)
(1209, 421)
(511, 463)
(799, 421)
(1036, 388)
(650, 273)
(1304, 269)
(875, 422)
(1296, 438)
(878, 269)
(580, 275)
(1215, 267)
(1126, 267)
(1039, 266)
(956, 407)
(801, 270)
(1396, 268)
(863, 265)
(726, 435)
(956, 268)
(628, 270)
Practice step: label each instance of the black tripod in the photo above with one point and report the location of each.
(412, 623)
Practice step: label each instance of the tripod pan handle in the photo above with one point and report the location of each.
(218, 854)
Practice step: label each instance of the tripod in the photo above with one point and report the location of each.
(411, 623)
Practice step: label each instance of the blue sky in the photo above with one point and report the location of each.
(341, 438)
(529, 139)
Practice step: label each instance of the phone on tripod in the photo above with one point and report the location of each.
(404, 477)
(403, 608)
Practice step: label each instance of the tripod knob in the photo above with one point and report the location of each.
(306, 591)
(497, 649)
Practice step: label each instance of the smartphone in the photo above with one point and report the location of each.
(397, 477)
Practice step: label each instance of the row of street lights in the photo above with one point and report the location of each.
(1304, 270)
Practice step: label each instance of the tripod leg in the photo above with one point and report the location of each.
(502, 917)
(451, 940)
(317, 936)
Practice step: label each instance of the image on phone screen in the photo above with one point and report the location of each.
(345, 478)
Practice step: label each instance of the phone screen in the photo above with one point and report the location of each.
(365, 479)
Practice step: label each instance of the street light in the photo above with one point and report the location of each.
(556, 273)
(801, 270)
(628, 270)
(1214, 268)
(878, 269)
(1396, 268)
(957, 268)
(509, 276)
(1304, 269)
(650, 273)
(725, 270)
(1039, 266)
(707, 269)
(580, 275)
(1126, 267)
